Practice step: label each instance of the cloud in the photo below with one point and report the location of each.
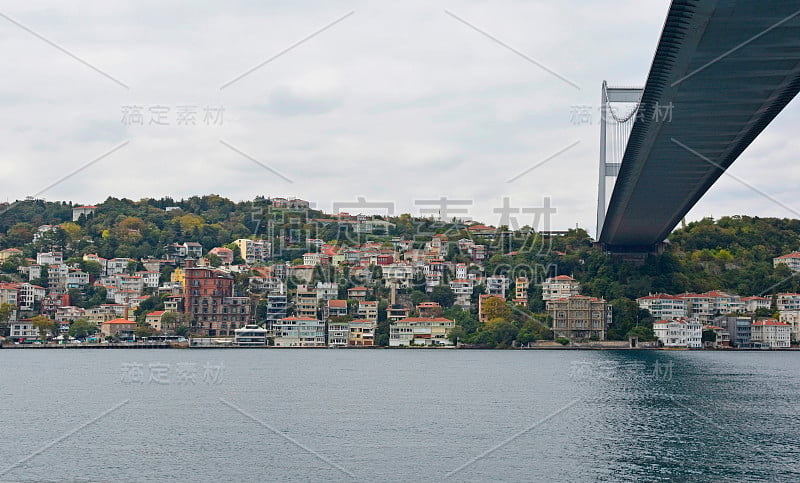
(283, 101)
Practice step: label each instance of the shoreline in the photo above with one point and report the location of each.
(556, 348)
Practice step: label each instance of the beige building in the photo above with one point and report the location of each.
(423, 331)
(771, 332)
(117, 326)
(521, 291)
(306, 302)
(362, 333)
(368, 310)
(580, 317)
(153, 319)
(562, 286)
(792, 317)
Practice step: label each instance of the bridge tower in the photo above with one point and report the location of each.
(619, 107)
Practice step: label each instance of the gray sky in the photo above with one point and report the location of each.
(398, 101)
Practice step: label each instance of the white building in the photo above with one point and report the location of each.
(150, 279)
(694, 333)
(751, 304)
(664, 306)
(117, 265)
(708, 305)
(311, 258)
(49, 258)
(338, 333)
(422, 331)
(671, 333)
(792, 317)
(254, 251)
(250, 335)
(23, 329)
(77, 279)
(401, 274)
(327, 291)
(82, 210)
(560, 287)
(498, 285)
(462, 288)
(28, 295)
(299, 332)
(792, 260)
(788, 301)
(771, 332)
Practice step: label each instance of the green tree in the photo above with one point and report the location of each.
(641, 332)
(456, 334)
(496, 308)
(443, 295)
(81, 328)
(45, 326)
(6, 311)
(503, 332)
(214, 259)
(143, 330)
(169, 322)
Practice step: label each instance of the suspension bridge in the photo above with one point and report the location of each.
(722, 71)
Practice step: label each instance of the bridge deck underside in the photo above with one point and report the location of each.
(701, 108)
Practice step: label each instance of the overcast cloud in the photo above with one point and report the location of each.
(398, 101)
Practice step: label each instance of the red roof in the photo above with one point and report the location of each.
(770, 322)
(660, 296)
(156, 313)
(425, 319)
(563, 277)
(790, 255)
(337, 303)
(480, 227)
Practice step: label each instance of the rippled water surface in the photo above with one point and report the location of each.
(158, 415)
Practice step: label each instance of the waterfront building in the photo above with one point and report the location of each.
(299, 332)
(362, 333)
(772, 333)
(424, 331)
(580, 317)
(250, 335)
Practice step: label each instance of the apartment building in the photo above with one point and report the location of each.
(560, 287)
(299, 332)
(772, 333)
(423, 331)
(664, 306)
(362, 333)
(580, 317)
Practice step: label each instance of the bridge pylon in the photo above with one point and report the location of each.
(615, 129)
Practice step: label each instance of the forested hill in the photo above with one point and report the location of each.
(732, 253)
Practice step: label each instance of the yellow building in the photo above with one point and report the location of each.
(179, 276)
